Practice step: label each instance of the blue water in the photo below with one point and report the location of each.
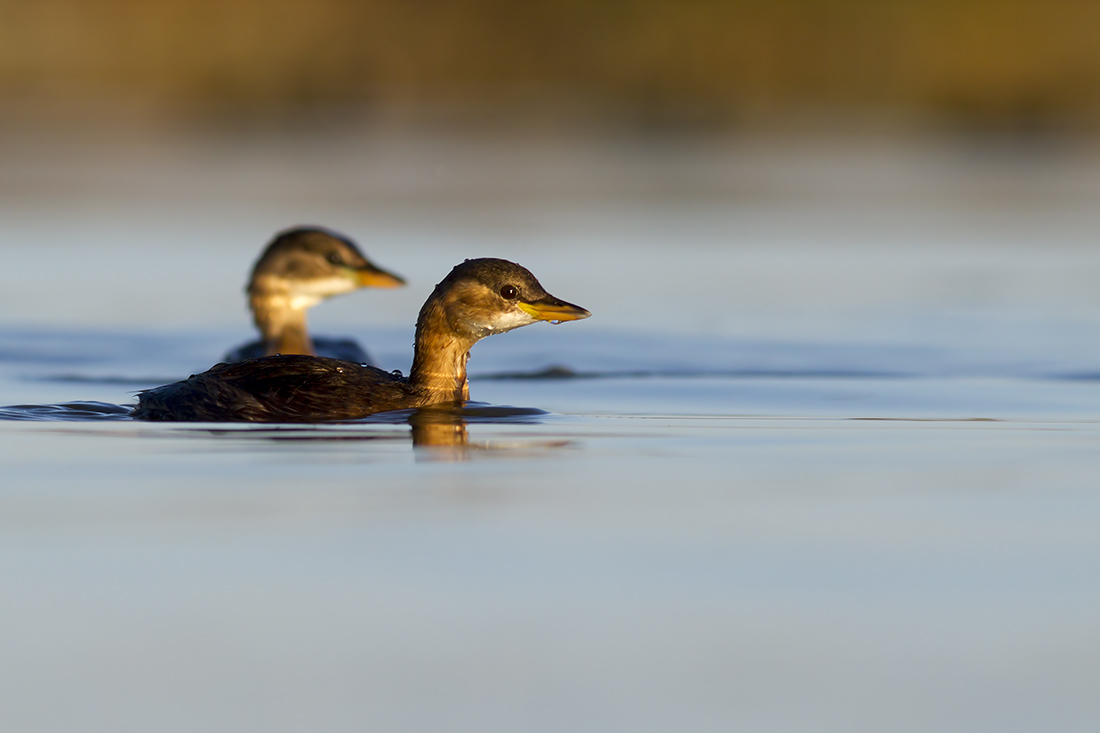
(824, 458)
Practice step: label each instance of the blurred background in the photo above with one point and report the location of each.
(1023, 66)
(1018, 66)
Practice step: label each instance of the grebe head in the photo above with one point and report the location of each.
(308, 264)
(486, 296)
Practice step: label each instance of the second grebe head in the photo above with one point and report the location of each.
(309, 264)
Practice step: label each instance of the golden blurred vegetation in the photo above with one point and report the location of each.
(1020, 64)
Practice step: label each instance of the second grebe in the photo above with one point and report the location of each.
(477, 299)
(300, 268)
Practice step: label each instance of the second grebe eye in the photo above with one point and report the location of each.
(334, 259)
(509, 292)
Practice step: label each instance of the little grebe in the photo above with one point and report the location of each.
(300, 268)
(477, 299)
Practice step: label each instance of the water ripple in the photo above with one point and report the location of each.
(79, 411)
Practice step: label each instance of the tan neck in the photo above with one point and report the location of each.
(282, 326)
(439, 364)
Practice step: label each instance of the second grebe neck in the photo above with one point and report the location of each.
(282, 325)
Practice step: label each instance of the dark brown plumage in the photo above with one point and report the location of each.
(477, 299)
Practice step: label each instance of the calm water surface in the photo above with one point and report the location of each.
(826, 456)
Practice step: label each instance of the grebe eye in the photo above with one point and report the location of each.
(334, 259)
(509, 292)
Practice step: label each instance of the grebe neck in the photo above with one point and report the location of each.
(439, 361)
(282, 323)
